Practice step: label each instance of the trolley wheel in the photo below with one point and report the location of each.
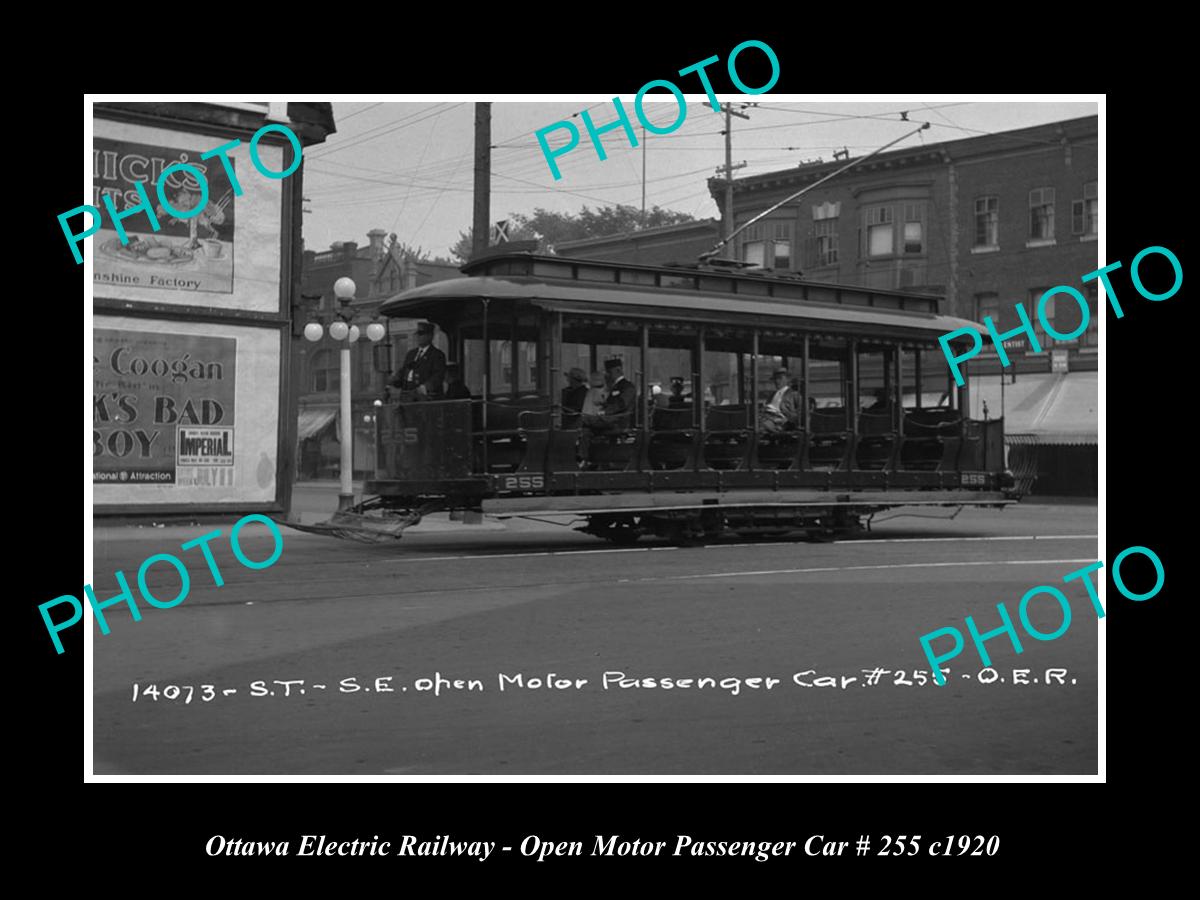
(621, 531)
(622, 535)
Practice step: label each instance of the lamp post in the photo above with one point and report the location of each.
(344, 329)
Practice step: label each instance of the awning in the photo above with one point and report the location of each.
(1047, 408)
(313, 421)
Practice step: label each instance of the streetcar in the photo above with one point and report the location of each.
(880, 422)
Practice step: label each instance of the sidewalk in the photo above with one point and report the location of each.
(312, 501)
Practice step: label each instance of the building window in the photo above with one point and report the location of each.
(826, 232)
(913, 235)
(1041, 214)
(783, 254)
(768, 244)
(1031, 307)
(987, 222)
(324, 368)
(879, 231)
(988, 304)
(753, 252)
(1085, 213)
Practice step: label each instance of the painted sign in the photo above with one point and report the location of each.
(163, 408)
(189, 254)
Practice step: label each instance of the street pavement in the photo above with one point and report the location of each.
(481, 613)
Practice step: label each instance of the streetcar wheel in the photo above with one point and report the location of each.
(622, 535)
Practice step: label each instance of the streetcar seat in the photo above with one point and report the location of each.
(780, 449)
(828, 420)
(830, 441)
(875, 421)
(506, 436)
(932, 439)
(615, 451)
(562, 455)
(727, 438)
(876, 445)
(672, 439)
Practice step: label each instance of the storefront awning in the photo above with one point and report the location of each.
(313, 422)
(1047, 408)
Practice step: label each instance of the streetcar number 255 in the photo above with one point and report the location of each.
(523, 482)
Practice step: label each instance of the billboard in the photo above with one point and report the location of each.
(162, 408)
(191, 254)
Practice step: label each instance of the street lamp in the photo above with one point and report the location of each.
(343, 329)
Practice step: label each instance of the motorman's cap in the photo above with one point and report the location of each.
(614, 362)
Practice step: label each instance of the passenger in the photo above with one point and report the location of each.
(782, 412)
(421, 376)
(615, 410)
(574, 393)
(677, 399)
(593, 400)
(621, 392)
(455, 388)
(881, 401)
(658, 398)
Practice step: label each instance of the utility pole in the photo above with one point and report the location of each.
(483, 179)
(643, 176)
(728, 170)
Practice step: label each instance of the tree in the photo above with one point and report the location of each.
(551, 228)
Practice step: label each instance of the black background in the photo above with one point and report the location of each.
(1150, 494)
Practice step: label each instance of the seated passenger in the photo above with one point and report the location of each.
(615, 412)
(574, 392)
(880, 403)
(455, 389)
(593, 398)
(782, 412)
(676, 399)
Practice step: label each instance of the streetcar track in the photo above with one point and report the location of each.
(574, 582)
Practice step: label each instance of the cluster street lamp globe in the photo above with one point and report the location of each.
(343, 329)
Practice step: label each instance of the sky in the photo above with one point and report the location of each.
(408, 168)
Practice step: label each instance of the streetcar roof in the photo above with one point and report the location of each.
(651, 301)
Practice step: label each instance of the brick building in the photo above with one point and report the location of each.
(682, 243)
(987, 222)
(381, 269)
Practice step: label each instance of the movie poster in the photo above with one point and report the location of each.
(163, 408)
(193, 252)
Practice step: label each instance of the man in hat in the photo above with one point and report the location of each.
(621, 393)
(782, 412)
(421, 376)
(677, 400)
(455, 389)
(615, 413)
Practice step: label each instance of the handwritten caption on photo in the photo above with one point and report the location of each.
(192, 175)
(1081, 575)
(622, 120)
(185, 581)
(509, 682)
